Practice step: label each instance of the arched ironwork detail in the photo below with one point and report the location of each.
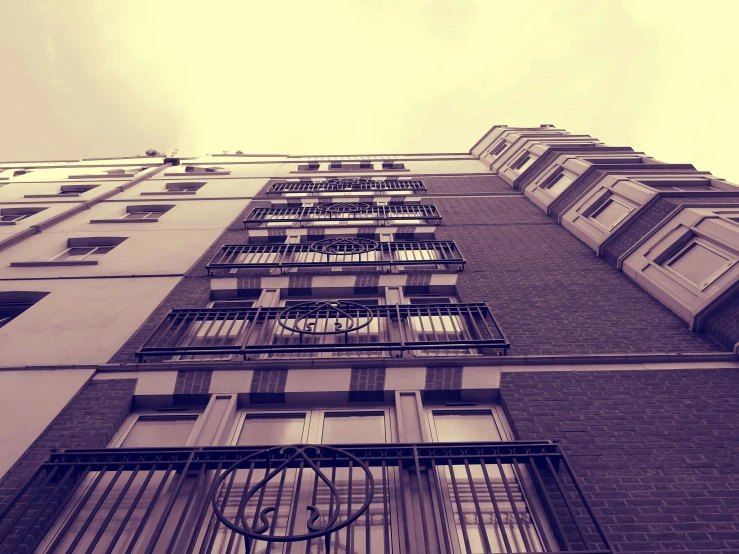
(286, 458)
(345, 246)
(343, 207)
(331, 317)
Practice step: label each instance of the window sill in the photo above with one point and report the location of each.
(168, 193)
(124, 220)
(73, 195)
(53, 263)
(8, 222)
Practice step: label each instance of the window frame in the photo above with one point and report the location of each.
(599, 205)
(684, 248)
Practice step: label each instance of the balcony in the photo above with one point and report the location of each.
(443, 498)
(340, 252)
(333, 186)
(346, 213)
(330, 329)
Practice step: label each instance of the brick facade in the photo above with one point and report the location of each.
(656, 452)
(550, 292)
(90, 420)
(723, 324)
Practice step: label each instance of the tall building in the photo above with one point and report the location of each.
(527, 347)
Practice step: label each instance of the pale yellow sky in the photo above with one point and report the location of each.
(114, 77)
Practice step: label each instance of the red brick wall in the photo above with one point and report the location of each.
(657, 452)
(550, 292)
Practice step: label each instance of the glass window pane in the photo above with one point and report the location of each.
(159, 432)
(466, 427)
(344, 429)
(698, 263)
(260, 430)
(610, 213)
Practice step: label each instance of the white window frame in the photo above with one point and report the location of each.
(730, 261)
(601, 203)
(92, 252)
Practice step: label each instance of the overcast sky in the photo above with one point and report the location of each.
(114, 77)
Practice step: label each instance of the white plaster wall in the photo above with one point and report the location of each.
(80, 321)
(170, 246)
(215, 187)
(29, 401)
(15, 191)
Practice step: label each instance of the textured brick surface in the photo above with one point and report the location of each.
(657, 453)
(549, 291)
(269, 381)
(193, 382)
(571, 194)
(89, 421)
(466, 185)
(443, 378)
(723, 324)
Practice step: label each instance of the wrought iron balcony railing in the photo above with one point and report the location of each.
(347, 185)
(331, 328)
(339, 252)
(444, 498)
(349, 213)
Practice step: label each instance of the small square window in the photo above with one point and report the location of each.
(75, 190)
(700, 263)
(610, 212)
(146, 212)
(10, 216)
(523, 162)
(184, 187)
(87, 249)
(14, 303)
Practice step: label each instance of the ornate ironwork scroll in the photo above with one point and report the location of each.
(263, 508)
(348, 183)
(343, 207)
(344, 246)
(330, 317)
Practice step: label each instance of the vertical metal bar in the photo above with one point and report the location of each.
(14, 502)
(209, 490)
(385, 513)
(186, 509)
(404, 490)
(584, 501)
(567, 502)
(214, 522)
(460, 509)
(276, 513)
(478, 511)
(114, 541)
(440, 503)
(367, 540)
(168, 509)
(419, 481)
(559, 530)
(77, 510)
(496, 509)
(314, 496)
(294, 504)
(112, 511)
(534, 513)
(513, 506)
(349, 538)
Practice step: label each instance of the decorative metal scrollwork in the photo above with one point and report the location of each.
(348, 182)
(331, 317)
(344, 246)
(294, 464)
(343, 207)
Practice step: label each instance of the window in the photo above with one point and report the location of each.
(198, 169)
(75, 190)
(498, 148)
(523, 162)
(10, 216)
(146, 212)
(557, 182)
(609, 212)
(310, 166)
(389, 164)
(700, 263)
(190, 187)
(87, 249)
(14, 303)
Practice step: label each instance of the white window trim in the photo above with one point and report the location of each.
(601, 203)
(91, 253)
(730, 261)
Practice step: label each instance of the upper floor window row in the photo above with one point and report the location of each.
(348, 186)
(66, 191)
(361, 165)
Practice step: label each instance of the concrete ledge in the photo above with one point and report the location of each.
(53, 263)
(124, 220)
